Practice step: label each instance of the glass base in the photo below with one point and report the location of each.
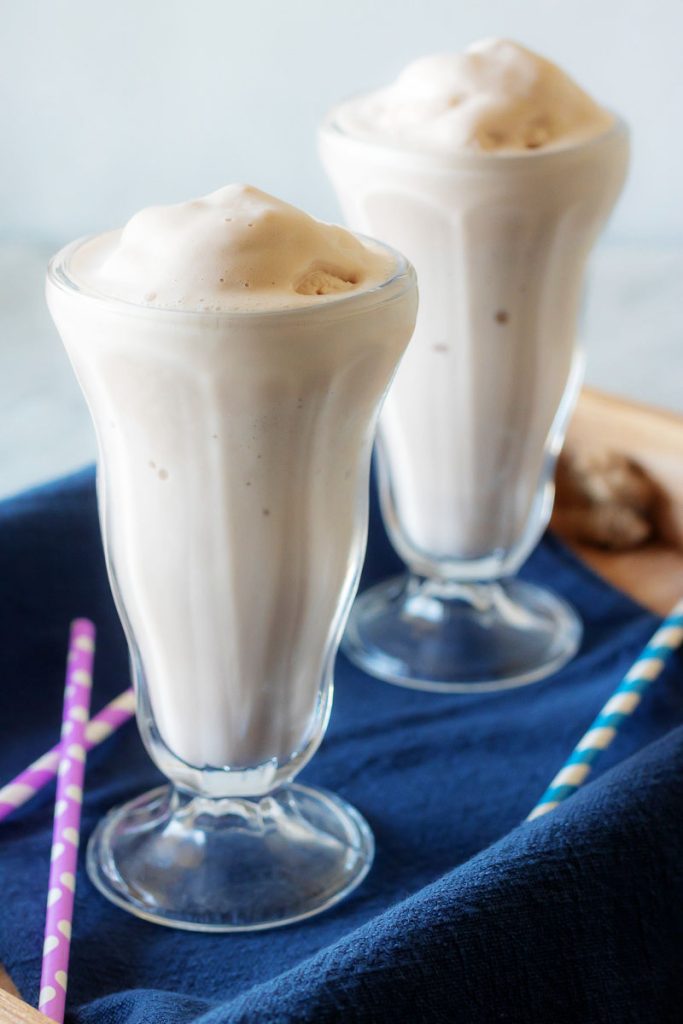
(232, 864)
(460, 638)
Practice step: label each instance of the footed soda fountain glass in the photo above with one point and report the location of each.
(475, 419)
(234, 452)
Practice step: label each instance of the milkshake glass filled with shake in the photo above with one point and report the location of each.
(494, 172)
(234, 353)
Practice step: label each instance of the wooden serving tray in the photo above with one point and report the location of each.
(653, 573)
(16, 1011)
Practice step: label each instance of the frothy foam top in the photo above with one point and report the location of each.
(237, 248)
(495, 97)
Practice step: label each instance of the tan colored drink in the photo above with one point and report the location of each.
(494, 172)
(234, 354)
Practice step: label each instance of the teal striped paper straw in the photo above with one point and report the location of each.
(621, 704)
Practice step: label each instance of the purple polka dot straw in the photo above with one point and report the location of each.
(39, 774)
(67, 818)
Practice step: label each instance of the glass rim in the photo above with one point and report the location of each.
(402, 272)
(472, 158)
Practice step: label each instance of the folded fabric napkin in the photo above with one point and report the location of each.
(466, 916)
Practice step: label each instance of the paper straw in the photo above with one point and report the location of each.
(619, 707)
(41, 772)
(67, 819)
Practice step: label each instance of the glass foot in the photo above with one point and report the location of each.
(232, 864)
(460, 638)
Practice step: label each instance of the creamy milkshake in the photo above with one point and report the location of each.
(494, 172)
(234, 353)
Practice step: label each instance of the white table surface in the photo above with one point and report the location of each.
(632, 330)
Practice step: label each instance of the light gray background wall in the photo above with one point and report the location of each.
(109, 106)
(106, 107)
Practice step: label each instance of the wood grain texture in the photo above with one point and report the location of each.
(6, 983)
(14, 1011)
(653, 573)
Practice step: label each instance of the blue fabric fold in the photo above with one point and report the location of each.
(466, 916)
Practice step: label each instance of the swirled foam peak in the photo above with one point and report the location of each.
(237, 248)
(496, 97)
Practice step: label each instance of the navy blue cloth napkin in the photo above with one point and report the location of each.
(466, 916)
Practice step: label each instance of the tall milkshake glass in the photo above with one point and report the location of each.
(233, 466)
(475, 419)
